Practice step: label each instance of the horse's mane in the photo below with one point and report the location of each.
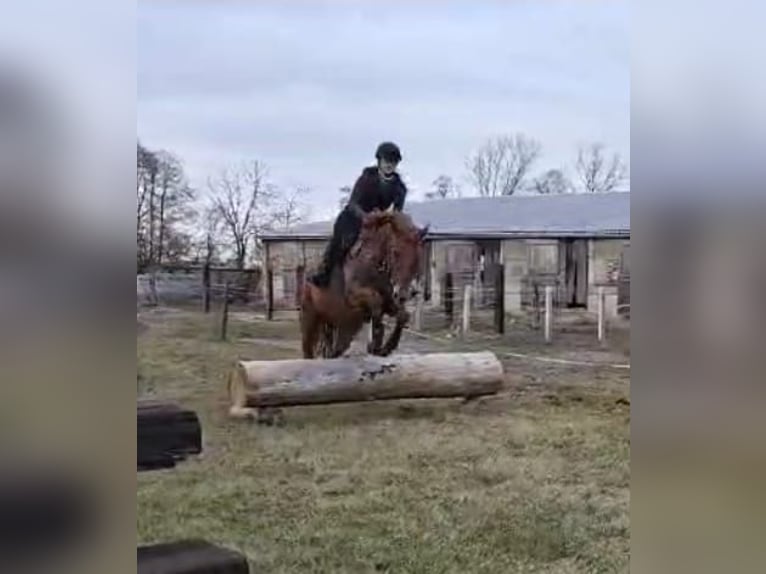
(380, 226)
(401, 223)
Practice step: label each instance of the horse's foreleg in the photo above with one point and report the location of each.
(342, 342)
(368, 303)
(378, 330)
(327, 337)
(402, 320)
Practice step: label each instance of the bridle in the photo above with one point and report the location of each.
(400, 293)
(386, 255)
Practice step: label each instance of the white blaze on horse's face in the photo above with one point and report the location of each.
(405, 286)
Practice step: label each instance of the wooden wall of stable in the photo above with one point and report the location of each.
(575, 267)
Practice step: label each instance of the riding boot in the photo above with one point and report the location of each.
(345, 232)
(322, 277)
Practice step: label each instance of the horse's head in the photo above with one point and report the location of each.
(404, 247)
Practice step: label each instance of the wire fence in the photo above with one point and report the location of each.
(543, 307)
(461, 305)
(189, 287)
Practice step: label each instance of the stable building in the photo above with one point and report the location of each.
(576, 243)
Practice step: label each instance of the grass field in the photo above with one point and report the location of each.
(535, 479)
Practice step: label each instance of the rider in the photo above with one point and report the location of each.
(377, 188)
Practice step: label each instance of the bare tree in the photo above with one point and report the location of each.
(147, 171)
(553, 181)
(241, 198)
(146, 175)
(289, 208)
(443, 188)
(207, 235)
(596, 174)
(143, 160)
(501, 164)
(163, 205)
(174, 196)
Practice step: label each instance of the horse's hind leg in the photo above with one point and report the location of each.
(310, 326)
(327, 337)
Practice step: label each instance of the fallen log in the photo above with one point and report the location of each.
(166, 434)
(190, 557)
(254, 384)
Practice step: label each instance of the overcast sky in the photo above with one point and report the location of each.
(310, 88)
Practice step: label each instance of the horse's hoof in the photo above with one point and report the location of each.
(265, 420)
(279, 418)
(270, 417)
(376, 351)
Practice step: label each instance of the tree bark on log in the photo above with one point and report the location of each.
(292, 382)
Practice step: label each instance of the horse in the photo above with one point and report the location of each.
(375, 280)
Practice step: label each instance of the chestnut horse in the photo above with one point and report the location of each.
(375, 280)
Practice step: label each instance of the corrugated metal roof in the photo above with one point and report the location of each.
(576, 214)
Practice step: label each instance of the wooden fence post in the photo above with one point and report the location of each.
(206, 288)
(467, 308)
(418, 321)
(548, 312)
(153, 287)
(536, 304)
(269, 294)
(225, 311)
(449, 299)
(206, 275)
(478, 291)
(500, 298)
(601, 297)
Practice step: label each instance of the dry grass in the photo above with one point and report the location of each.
(533, 480)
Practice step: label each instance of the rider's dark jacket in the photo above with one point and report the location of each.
(370, 192)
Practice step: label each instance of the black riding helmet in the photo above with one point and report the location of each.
(388, 151)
